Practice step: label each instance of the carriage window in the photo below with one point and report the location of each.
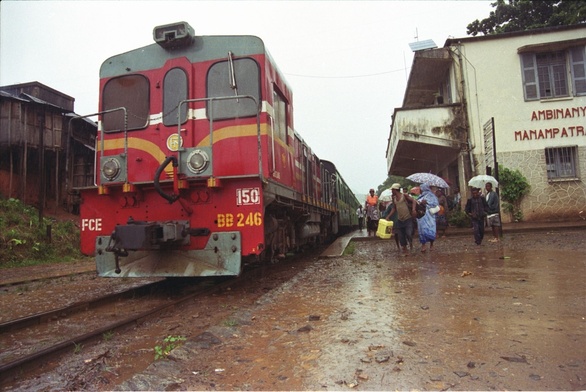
(174, 91)
(231, 78)
(131, 92)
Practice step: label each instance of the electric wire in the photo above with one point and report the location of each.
(345, 77)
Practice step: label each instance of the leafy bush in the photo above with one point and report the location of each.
(513, 187)
(23, 238)
(458, 218)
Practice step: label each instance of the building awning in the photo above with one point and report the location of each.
(552, 46)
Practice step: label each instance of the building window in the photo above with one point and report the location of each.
(546, 74)
(561, 163)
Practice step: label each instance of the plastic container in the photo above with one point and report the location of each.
(385, 229)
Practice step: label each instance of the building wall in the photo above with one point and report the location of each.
(42, 170)
(557, 201)
(493, 87)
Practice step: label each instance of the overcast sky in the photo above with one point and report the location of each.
(346, 61)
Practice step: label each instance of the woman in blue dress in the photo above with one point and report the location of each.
(426, 224)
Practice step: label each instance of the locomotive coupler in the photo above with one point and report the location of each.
(142, 235)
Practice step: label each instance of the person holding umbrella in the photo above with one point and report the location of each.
(493, 217)
(476, 209)
(426, 224)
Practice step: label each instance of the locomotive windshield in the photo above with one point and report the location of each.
(228, 79)
(174, 91)
(131, 92)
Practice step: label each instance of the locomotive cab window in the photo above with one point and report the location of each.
(280, 115)
(229, 79)
(131, 92)
(174, 91)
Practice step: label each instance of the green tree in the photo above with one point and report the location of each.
(513, 187)
(388, 182)
(395, 179)
(519, 15)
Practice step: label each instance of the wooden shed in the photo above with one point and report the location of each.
(43, 153)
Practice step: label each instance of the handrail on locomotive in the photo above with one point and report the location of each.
(211, 120)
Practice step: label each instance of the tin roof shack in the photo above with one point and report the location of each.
(39, 163)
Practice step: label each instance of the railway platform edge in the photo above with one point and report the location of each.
(336, 249)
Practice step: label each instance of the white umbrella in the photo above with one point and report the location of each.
(429, 179)
(480, 181)
(386, 195)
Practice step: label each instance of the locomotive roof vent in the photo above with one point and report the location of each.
(173, 35)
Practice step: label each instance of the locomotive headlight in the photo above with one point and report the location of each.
(197, 161)
(111, 168)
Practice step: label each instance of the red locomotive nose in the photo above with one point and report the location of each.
(197, 164)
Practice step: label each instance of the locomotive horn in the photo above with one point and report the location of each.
(171, 198)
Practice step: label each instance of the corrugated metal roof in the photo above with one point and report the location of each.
(40, 101)
(4, 94)
(86, 119)
(24, 97)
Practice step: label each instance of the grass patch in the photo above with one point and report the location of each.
(231, 323)
(349, 251)
(24, 240)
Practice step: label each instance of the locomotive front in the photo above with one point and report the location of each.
(180, 157)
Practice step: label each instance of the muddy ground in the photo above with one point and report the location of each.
(507, 316)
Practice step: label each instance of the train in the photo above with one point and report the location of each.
(198, 167)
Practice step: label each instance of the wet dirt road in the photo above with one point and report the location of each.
(508, 316)
(496, 317)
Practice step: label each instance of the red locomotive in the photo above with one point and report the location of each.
(198, 165)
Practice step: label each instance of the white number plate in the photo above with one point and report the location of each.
(247, 196)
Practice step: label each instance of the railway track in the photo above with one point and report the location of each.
(42, 349)
(11, 283)
(33, 339)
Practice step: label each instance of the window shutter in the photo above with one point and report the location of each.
(578, 59)
(529, 76)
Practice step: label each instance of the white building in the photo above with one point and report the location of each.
(529, 85)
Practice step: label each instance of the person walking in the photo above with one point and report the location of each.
(372, 212)
(371, 199)
(360, 213)
(477, 208)
(404, 221)
(426, 224)
(493, 218)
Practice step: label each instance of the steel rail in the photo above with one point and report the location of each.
(6, 369)
(68, 310)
